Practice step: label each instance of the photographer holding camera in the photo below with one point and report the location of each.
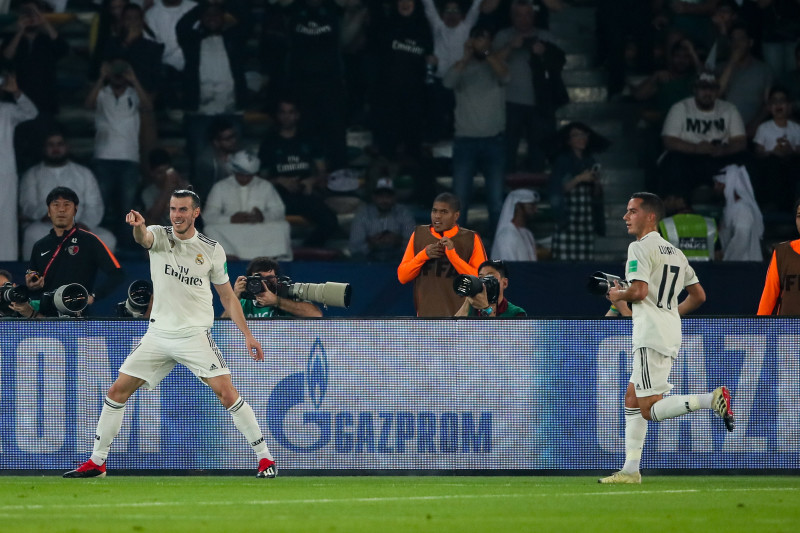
(14, 302)
(491, 301)
(267, 304)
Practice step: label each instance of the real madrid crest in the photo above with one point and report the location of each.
(199, 259)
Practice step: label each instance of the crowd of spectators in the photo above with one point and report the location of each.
(716, 81)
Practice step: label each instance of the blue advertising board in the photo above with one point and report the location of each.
(404, 394)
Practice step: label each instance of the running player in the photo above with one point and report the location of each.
(183, 264)
(657, 272)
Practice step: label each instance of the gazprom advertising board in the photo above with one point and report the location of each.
(404, 395)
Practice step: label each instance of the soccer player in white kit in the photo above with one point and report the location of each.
(183, 264)
(656, 273)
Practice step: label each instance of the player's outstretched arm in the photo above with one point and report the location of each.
(140, 232)
(234, 310)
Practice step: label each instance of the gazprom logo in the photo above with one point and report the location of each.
(380, 431)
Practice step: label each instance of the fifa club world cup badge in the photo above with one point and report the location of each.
(73, 250)
(199, 259)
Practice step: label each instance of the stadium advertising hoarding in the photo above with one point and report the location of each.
(404, 395)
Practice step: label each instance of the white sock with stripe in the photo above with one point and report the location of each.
(245, 420)
(635, 432)
(678, 405)
(107, 428)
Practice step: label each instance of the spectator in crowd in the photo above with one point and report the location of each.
(576, 193)
(513, 241)
(356, 58)
(405, 50)
(535, 88)
(56, 169)
(777, 146)
(70, 254)
(791, 80)
(693, 234)
(726, 15)
(479, 305)
(117, 98)
(213, 163)
(668, 86)
(780, 28)
(450, 29)
(33, 53)
(378, 228)
(701, 135)
(135, 45)
(162, 19)
(15, 107)
(745, 81)
(214, 83)
(781, 295)
(245, 213)
(314, 71)
(106, 25)
(742, 225)
(436, 254)
(693, 18)
(267, 304)
(296, 167)
(479, 81)
(164, 181)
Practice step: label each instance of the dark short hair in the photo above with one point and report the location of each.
(62, 193)
(262, 264)
(158, 157)
(776, 89)
(54, 130)
(479, 30)
(449, 199)
(218, 125)
(187, 193)
(496, 264)
(796, 205)
(651, 202)
(6, 274)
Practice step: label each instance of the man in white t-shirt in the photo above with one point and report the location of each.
(162, 19)
(656, 273)
(701, 135)
(57, 170)
(183, 265)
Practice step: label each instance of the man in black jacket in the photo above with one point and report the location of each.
(69, 254)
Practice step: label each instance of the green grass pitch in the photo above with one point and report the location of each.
(686, 504)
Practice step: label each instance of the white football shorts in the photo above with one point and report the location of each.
(650, 372)
(156, 355)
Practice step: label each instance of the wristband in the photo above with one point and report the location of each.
(487, 311)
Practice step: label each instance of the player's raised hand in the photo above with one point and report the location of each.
(134, 218)
(254, 348)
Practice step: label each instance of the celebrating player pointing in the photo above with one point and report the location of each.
(183, 264)
(657, 272)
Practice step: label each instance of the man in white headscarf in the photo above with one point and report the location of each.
(742, 225)
(513, 241)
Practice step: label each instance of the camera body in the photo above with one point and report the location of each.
(600, 282)
(8, 294)
(328, 293)
(466, 285)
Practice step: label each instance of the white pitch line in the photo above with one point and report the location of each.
(39, 507)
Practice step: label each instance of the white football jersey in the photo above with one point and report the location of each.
(182, 273)
(656, 322)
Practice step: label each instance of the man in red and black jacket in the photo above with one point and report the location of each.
(69, 254)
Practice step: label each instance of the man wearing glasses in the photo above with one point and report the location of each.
(267, 304)
(479, 305)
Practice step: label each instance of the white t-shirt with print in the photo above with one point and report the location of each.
(656, 322)
(182, 273)
(768, 133)
(687, 122)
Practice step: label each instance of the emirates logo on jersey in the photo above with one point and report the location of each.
(199, 259)
(73, 250)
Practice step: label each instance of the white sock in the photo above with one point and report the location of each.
(635, 432)
(679, 405)
(107, 428)
(245, 420)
